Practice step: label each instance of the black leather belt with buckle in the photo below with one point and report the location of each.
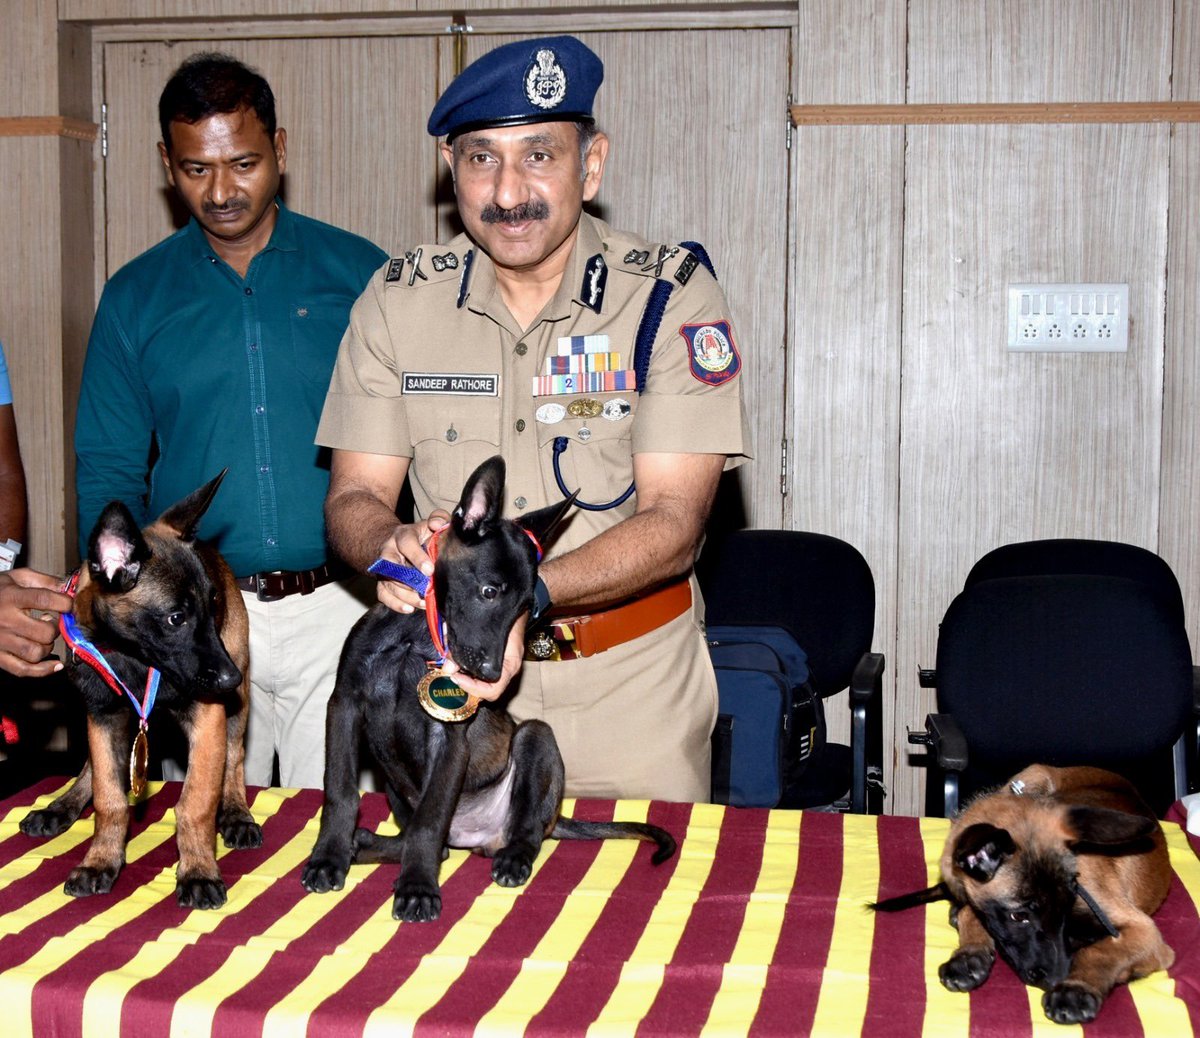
(278, 584)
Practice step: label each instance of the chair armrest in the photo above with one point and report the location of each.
(866, 734)
(944, 737)
(867, 679)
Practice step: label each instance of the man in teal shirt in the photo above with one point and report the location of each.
(215, 348)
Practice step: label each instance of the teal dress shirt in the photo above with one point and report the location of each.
(220, 372)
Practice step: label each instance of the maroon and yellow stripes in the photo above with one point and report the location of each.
(757, 926)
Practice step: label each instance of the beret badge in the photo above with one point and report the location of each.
(545, 81)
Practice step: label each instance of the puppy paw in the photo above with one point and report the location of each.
(416, 902)
(46, 823)
(512, 866)
(239, 830)
(1072, 1003)
(200, 892)
(966, 969)
(84, 881)
(321, 875)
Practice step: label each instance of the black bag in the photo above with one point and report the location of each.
(769, 720)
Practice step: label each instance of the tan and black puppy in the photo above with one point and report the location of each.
(159, 598)
(1059, 872)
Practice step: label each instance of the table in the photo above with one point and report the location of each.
(758, 926)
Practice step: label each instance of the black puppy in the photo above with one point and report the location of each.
(484, 784)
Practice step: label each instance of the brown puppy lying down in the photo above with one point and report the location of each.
(1059, 871)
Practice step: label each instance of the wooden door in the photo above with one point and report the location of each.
(354, 110)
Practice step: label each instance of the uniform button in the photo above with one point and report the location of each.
(451, 434)
(522, 349)
(271, 542)
(260, 409)
(249, 291)
(520, 425)
(520, 502)
(254, 347)
(264, 469)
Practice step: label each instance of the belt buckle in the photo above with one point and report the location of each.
(542, 647)
(261, 592)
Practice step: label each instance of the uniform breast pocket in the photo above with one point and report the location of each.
(598, 457)
(451, 436)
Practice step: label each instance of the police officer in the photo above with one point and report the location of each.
(525, 337)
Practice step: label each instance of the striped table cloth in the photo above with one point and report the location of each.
(758, 926)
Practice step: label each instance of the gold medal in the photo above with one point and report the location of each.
(138, 758)
(443, 699)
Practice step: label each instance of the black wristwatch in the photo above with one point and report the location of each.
(541, 600)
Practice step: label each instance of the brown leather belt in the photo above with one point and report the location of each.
(569, 637)
(279, 583)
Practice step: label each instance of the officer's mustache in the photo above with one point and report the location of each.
(535, 210)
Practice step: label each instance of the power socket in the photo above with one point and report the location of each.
(1068, 318)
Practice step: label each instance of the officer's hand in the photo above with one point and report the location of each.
(407, 546)
(26, 639)
(514, 654)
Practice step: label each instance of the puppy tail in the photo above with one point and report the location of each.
(917, 897)
(574, 829)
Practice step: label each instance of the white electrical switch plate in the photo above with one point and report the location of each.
(1068, 318)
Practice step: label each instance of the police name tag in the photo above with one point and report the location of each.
(453, 383)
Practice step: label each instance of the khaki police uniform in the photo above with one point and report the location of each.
(433, 367)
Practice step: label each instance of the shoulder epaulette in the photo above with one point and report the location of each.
(425, 265)
(667, 262)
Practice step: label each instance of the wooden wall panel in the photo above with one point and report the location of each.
(1000, 446)
(721, 181)
(995, 446)
(844, 310)
(1038, 50)
(358, 156)
(1180, 490)
(31, 330)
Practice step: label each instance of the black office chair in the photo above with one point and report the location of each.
(821, 590)
(1062, 652)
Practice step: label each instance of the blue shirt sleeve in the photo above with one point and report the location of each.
(113, 426)
(5, 385)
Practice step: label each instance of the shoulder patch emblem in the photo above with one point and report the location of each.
(712, 354)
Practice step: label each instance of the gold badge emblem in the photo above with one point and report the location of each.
(584, 407)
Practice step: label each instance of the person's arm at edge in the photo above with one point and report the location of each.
(25, 640)
(13, 516)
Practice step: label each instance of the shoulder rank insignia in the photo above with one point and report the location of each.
(595, 277)
(712, 354)
(687, 267)
(395, 268)
(464, 279)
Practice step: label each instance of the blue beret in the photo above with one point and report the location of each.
(552, 79)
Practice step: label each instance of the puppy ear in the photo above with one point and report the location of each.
(184, 516)
(1104, 827)
(481, 497)
(116, 549)
(982, 849)
(544, 522)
